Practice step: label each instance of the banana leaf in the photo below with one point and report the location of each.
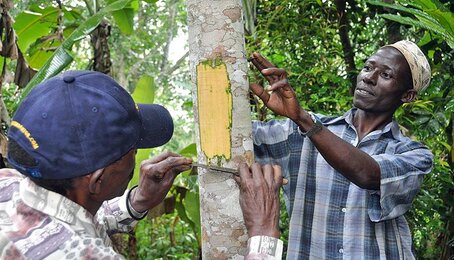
(62, 57)
(431, 17)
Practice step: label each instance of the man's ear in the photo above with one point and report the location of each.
(409, 96)
(95, 182)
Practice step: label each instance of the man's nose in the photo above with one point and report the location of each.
(371, 77)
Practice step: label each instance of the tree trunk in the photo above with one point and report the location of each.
(223, 132)
(392, 28)
(101, 52)
(349, 56)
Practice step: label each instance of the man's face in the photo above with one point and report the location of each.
(119, 174)
(382, 82)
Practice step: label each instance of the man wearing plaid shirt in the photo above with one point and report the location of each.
(352, 177)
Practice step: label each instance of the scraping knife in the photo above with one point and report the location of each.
(224, 169)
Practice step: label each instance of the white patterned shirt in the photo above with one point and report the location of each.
(36, 223)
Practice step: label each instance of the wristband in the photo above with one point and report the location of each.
(134, 214)
(316, 126)
(264, 245)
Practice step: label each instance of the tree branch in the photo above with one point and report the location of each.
(349, 57)
(177, 64)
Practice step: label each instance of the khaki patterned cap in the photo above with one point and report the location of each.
(419, 66)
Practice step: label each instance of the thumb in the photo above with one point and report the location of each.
(260, 92)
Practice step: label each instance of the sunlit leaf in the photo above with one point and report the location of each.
(142, 154)
(124, 18)
(33, 24)
(144, 91)
(40, 52)
(61, 58)
(189, 151)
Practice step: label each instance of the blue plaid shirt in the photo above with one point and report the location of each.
(332, 218)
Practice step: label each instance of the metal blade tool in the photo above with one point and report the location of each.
(224, 169)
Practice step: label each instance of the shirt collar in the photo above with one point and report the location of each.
(57, 206)
(392, 127)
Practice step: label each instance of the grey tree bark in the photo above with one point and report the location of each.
(223, 126)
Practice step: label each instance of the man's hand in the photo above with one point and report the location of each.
(259, 198)
(156, 178)
(280, 97)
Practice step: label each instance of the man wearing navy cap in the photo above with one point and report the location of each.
(72, 143)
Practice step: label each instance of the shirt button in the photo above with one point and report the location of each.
(344, 210)
(341, 250)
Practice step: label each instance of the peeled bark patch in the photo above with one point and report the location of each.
(214, 110)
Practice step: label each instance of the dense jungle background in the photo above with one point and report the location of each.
(322, 44)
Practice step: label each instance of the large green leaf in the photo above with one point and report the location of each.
(432, 17)
(446, 19)
(33, 24)
(144, 91)
(191, 205)
(143, 94)
(40, 52)
(426, 4)
(124, 18)
(189, 151)
(61, 58)
(425, 25)
(35, 29)
(142, 154)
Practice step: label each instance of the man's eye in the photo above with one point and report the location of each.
(386, 75)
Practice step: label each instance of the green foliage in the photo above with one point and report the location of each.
(144, 91)
(166, 237)
(38, 31)
(187, 187)
(430, 15)
(143, 94)
(62, 57)
(36, 23)
(124, 18)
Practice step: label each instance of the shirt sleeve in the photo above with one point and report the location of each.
(115, 216)
(401, 176)
(264, 248)
(278, 142)
(271, 141)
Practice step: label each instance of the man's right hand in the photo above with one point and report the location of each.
(259, 198)
(280, 96)
(156, 178)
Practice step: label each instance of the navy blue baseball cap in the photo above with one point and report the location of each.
(81, 121)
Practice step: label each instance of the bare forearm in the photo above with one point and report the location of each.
(357, 166)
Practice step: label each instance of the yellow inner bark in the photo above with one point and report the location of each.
(214, 110)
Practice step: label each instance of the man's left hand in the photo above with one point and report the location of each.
(259, 198)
